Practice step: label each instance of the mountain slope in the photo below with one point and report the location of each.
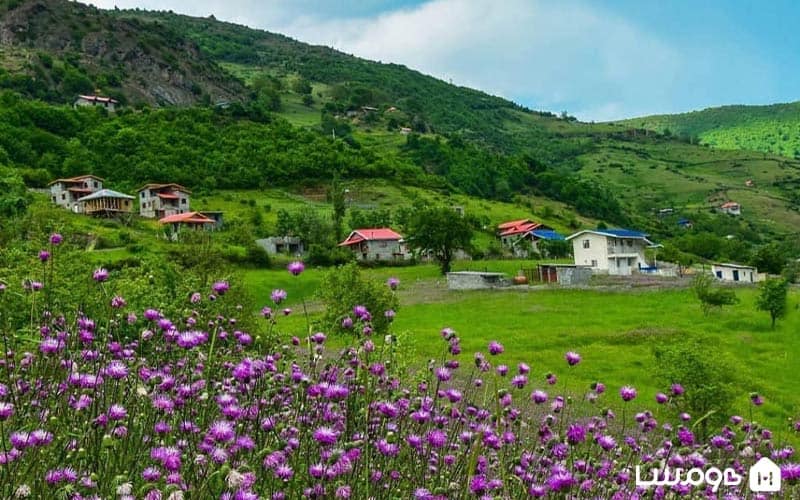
(53, 49)
(772, 129)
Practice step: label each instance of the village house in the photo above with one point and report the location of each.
(195, 221)
(731, 208)
(96, 100)
(736, 273)
(376, 244)
(162, 200)
(611, 251)
(523, 236)
(291, 245)
(215, 215)
(66, 192)
(106, 203)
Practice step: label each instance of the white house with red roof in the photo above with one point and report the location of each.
(162, 200)
(731, 208)
(96, 100)
(191, 220)
(66, 192)
(375, 244)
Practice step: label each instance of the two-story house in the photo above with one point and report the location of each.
(163, 200)
(611, 251)
(66, 192)
(376, 244)
(522, 236)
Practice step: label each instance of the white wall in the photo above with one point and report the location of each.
(726, 273)
(596, 256)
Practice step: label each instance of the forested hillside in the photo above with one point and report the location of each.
(772, 129)
(214, 105)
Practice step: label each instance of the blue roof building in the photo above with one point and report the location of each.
(612, 251)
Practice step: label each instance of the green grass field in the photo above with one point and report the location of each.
(615, 332)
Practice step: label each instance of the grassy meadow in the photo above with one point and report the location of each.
(614, 331)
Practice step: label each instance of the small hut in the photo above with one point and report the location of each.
(106, 203)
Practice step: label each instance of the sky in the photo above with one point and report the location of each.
(598, 60)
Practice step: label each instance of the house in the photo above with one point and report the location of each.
(736, 273)
(731, 208)
(66, 192)
(685, 223)
(106, 203)
(612, 251)
(175, 223)
(96, 100)
(749, 183)
(282, 244)
(376, 244)
(405, 130)
(214, 215)
(162, 200)
(522, 236)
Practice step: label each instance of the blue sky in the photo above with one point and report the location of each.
(599, 60)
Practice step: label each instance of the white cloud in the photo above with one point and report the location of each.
(547, 55)
(564, 55)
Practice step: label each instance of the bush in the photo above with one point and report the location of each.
(323, 255)
(343, 288)
(256, 256)
(711, 296)
(704, 375)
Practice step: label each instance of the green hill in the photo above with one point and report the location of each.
(772, 129)
(253, 109)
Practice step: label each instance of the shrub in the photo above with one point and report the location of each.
(343, 288)
(711, 296)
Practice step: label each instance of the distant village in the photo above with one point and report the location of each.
(618, 252)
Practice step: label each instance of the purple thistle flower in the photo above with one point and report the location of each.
(495, 348)
(627, 393)
(347, 323)
(756, 399)
(278, 295)
(661, 398)
(677, 389)
(44, 255)
(220, 287)
(576, 433)
(437, 438)
(296, 267)
(100, 275)
(55, 239)
(195, 298)
(573, 358)
(6, 410)
(117, 412)
(393, 283)
(538, 396)
(118, 302)
(221, 431)
(606, 442)
(151, 314)
(325, 436)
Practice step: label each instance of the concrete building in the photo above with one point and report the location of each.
(377, 244)
(163, 200)
(66, 192)
(476, 280)
(731, 208)
(736, 273)
(96, 100)
(610, 251)
(291, 245)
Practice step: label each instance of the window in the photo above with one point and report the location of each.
(63, 196)
(630, 243)
(183, 201)
(585, 243)
(594, 263)
(735, 275)
(142, 193)
(54, 199)
(719, 274)
(95, 183)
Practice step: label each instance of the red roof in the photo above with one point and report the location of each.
(79, 190)
(171, 186)
(522, 227)
(73, 180)
(187, 218)
(512, 223)
(168, 196)
(373, 234)
(730, 204)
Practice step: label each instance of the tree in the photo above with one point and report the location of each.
(14, 198)
(337, 197)
(704, 375)
(772, 298)
(439, 231)
(711, 296)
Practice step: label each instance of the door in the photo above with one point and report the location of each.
(735, 275)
